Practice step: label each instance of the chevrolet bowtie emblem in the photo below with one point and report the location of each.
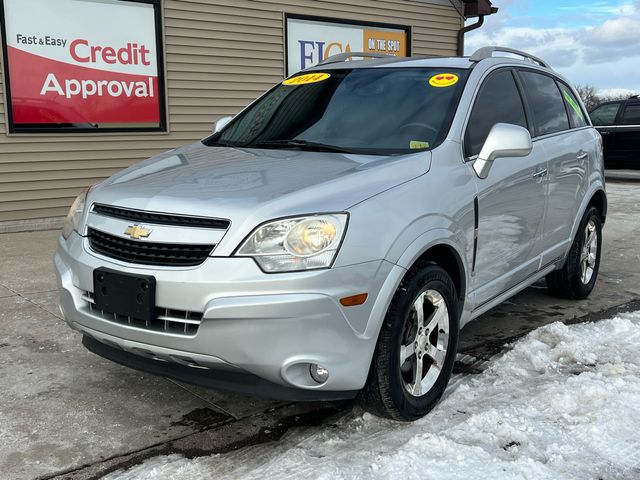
(137, 232)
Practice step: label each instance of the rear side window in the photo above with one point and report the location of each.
(547, 105)
(576, 114)
(499, 101)
(605, 114)
(631, 114)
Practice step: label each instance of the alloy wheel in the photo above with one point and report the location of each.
(424, 343)
(589, 252)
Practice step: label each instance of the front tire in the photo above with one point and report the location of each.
(416, 348)
(577, 277)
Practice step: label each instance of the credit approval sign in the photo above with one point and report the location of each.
(311, 40)
(82, 64)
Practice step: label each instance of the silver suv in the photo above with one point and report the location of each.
(332, 238)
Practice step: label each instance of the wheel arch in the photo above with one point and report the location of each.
(596, 197)
(599, 200)
(445, 256)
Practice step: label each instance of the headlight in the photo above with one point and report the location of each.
(74, 217)
(293, 244)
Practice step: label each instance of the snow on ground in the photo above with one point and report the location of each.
(563, 403)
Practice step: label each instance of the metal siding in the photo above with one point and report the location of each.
(219, 56)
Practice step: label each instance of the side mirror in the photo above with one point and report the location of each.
(504, 140)
(220, 124)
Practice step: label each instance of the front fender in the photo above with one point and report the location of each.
(430, 239)
(456, 242)
(424, 242)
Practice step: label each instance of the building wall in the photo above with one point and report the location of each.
(219, 56)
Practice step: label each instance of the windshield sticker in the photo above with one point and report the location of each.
(416, 145)
(443, 80)
(306, 79)
(573, 104)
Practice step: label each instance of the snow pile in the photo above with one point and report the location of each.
(564, 403)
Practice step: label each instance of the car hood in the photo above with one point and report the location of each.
(237, 184)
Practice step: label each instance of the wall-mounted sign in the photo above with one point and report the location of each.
(313, 39)
(83, 65)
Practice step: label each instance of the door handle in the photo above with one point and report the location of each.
(604, 133)
(582, 155)
(540, 173)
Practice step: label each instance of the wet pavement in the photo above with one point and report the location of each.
(622, 175)
(65, 411)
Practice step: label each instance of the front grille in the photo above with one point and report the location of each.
(160, 218)
(148, 253)
(168, 320)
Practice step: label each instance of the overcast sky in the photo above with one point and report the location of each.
(596, 43)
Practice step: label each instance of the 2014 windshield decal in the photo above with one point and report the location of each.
(307, 79)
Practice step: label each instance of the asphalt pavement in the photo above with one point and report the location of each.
(622, 175)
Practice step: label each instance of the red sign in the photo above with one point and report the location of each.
(84, 63)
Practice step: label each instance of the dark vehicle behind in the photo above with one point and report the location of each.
(619, 124)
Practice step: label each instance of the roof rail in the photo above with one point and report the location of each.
(341, 57)
(487, 52)
(634, 96)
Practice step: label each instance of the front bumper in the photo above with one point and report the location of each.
(268, 327)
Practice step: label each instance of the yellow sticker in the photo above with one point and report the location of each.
(416, 145)
(443, 80)
(306, 79)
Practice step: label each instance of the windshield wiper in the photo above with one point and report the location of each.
(302, 145)
(218, 143)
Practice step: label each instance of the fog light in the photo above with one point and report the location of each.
(318, 373)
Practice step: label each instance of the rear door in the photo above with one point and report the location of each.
(628, 134)
(570, 152)
(511, 200)
(604, 119)
(567, 151)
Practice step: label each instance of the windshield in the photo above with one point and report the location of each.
(366, 110)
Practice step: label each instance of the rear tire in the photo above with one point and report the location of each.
(576, 279)
(416, 348)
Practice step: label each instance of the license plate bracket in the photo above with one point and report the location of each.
(125, 293)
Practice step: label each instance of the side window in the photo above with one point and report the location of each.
(605, 114)
(498, 102)
(547, 105)
(631, 114)
(576, 114)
